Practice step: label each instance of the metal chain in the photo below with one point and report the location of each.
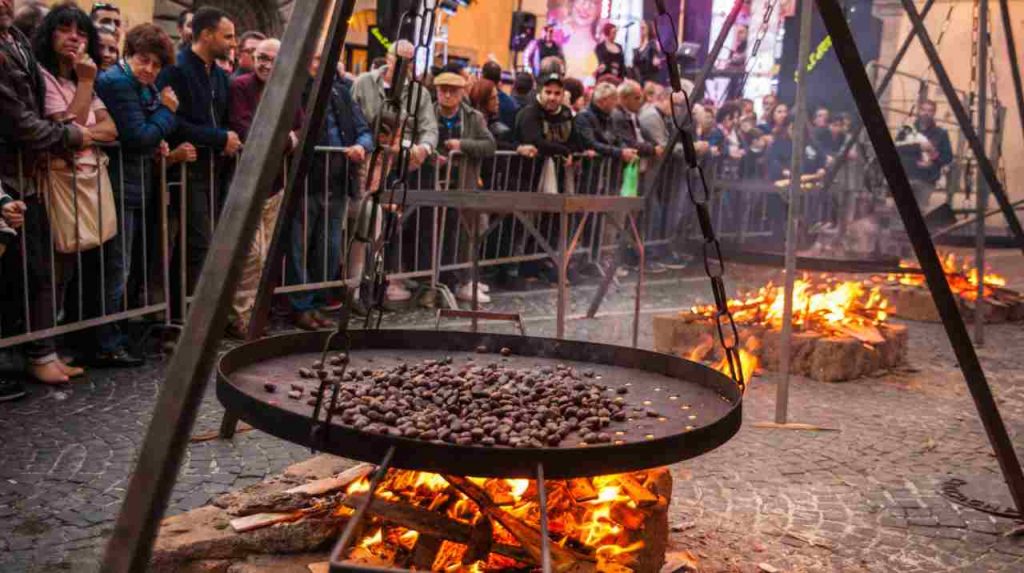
(758, 39)
(331, 381)
(972, 98)
(698, 191)
(408, 121)
(938, 43)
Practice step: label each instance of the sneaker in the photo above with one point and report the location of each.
(676, 262)
(465, 294)
(11, 390)
(621, 272)
(397, 292)
(654, 267)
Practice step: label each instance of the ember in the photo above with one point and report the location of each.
(426, 521)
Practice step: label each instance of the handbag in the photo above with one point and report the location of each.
(79, 203)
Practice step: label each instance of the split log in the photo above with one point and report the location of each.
(481, 539)
(563, 559)
(637, 492)
(629, 517)
(331, 484)
(425, 551)
(582, 489)
(261, 520)
(499, 491)
(431, 524)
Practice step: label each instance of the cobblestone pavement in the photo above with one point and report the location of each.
(860, 498)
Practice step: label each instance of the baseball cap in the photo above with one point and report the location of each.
(551, 77)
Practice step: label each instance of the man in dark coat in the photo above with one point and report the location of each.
(202, 116)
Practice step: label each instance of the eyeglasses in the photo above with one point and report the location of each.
(265, 59)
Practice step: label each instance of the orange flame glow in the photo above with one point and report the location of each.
(961, 274)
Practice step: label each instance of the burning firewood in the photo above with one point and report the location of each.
(629, 517)
(582, 489)
(638, 493)
(429, 523)
(481, 538)
(563, 559)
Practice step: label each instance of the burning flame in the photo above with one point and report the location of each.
(821, 305)
(961, 274)
(594, 522)
(749, 360)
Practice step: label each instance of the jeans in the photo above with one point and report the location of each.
(314, 244)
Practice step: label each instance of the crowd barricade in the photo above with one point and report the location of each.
(54, 281)
(183, 202)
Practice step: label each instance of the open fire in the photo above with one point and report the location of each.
(829, 316)
(911, 298)
(425, 521)
(961, 274)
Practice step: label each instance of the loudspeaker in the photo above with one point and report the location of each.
(524, 28)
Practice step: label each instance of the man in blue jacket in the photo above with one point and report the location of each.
(333, 180)
(203, 91)
(144, 119)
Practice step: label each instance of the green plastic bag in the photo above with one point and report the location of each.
(630, 179)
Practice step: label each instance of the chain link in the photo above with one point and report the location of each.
(408, 119)
(698, 191)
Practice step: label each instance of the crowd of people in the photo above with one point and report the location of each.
(74, 83)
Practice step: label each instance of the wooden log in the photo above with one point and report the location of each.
(582, 489)
(499, 491)
(637, 492)
(425, 551)
(629, 517)
(431, 523)
(481, 538)
(261, 520)
(563, 559)
(331, 484)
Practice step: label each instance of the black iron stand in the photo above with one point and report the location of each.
(913, 221)
(189, 369)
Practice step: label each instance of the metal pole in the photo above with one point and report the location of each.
(966, 126)
(1011, 51)
(189, 369)
(913, 221)
(981, 197)
(890, 73)
(796, 164)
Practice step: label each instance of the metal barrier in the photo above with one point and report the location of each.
(167, 235)
(50, 291)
